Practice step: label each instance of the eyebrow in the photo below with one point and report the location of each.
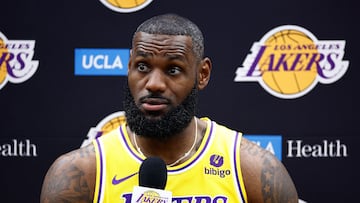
(143, 53)
(175, 56)
(170, 56)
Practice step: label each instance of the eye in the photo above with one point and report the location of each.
(174, 70)
(142, 67)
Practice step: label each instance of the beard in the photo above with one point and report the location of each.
(170, 124)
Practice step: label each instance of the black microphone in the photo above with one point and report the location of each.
(153, 173)
(152, 181)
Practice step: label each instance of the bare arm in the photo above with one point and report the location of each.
(265, 177)
(71, 178)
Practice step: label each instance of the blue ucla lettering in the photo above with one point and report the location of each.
(101, 61)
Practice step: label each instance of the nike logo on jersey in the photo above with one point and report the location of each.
(118, 181)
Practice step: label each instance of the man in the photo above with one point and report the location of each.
(206, 162)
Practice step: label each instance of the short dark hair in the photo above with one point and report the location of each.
(173, 24)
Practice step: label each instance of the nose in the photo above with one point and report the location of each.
(156, 81)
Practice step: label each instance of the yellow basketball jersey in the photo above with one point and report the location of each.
(211, 175)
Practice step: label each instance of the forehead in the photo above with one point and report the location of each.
(160, 43)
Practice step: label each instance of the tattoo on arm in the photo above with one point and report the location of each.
(66, 182)
(276, 183)
(273, 183)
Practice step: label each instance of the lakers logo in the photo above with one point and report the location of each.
(150, 196)
(106, 125)
(126, 6)
(3, 71)
(16, 64)
(289, 61)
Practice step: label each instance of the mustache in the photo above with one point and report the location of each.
(154, 96)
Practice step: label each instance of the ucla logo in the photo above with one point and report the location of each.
(289, 61)
(16, 64)
(126, 6)
(272, 143)
(103, 62)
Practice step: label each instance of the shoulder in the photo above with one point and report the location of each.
(265, 177)
(71, 178)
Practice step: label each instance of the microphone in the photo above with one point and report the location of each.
(152, 182)
(153, 173)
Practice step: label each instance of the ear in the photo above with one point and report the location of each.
(204, 73)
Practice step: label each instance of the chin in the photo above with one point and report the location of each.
(154, 115)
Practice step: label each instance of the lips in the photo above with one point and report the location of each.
(154, 104)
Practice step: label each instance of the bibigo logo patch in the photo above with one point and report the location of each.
(126, 6)
(16, 64)
(289, 61)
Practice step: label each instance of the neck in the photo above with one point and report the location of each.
(174, 150)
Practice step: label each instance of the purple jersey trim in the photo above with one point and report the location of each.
(237, 166)
(127, 145)
(176, 170)
(201, 153)
(101, 170)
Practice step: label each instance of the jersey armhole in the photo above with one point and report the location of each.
(237, 155)
(97, 192)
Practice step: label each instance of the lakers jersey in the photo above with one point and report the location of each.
(211, 175)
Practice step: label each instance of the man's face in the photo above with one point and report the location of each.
(161, 97)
